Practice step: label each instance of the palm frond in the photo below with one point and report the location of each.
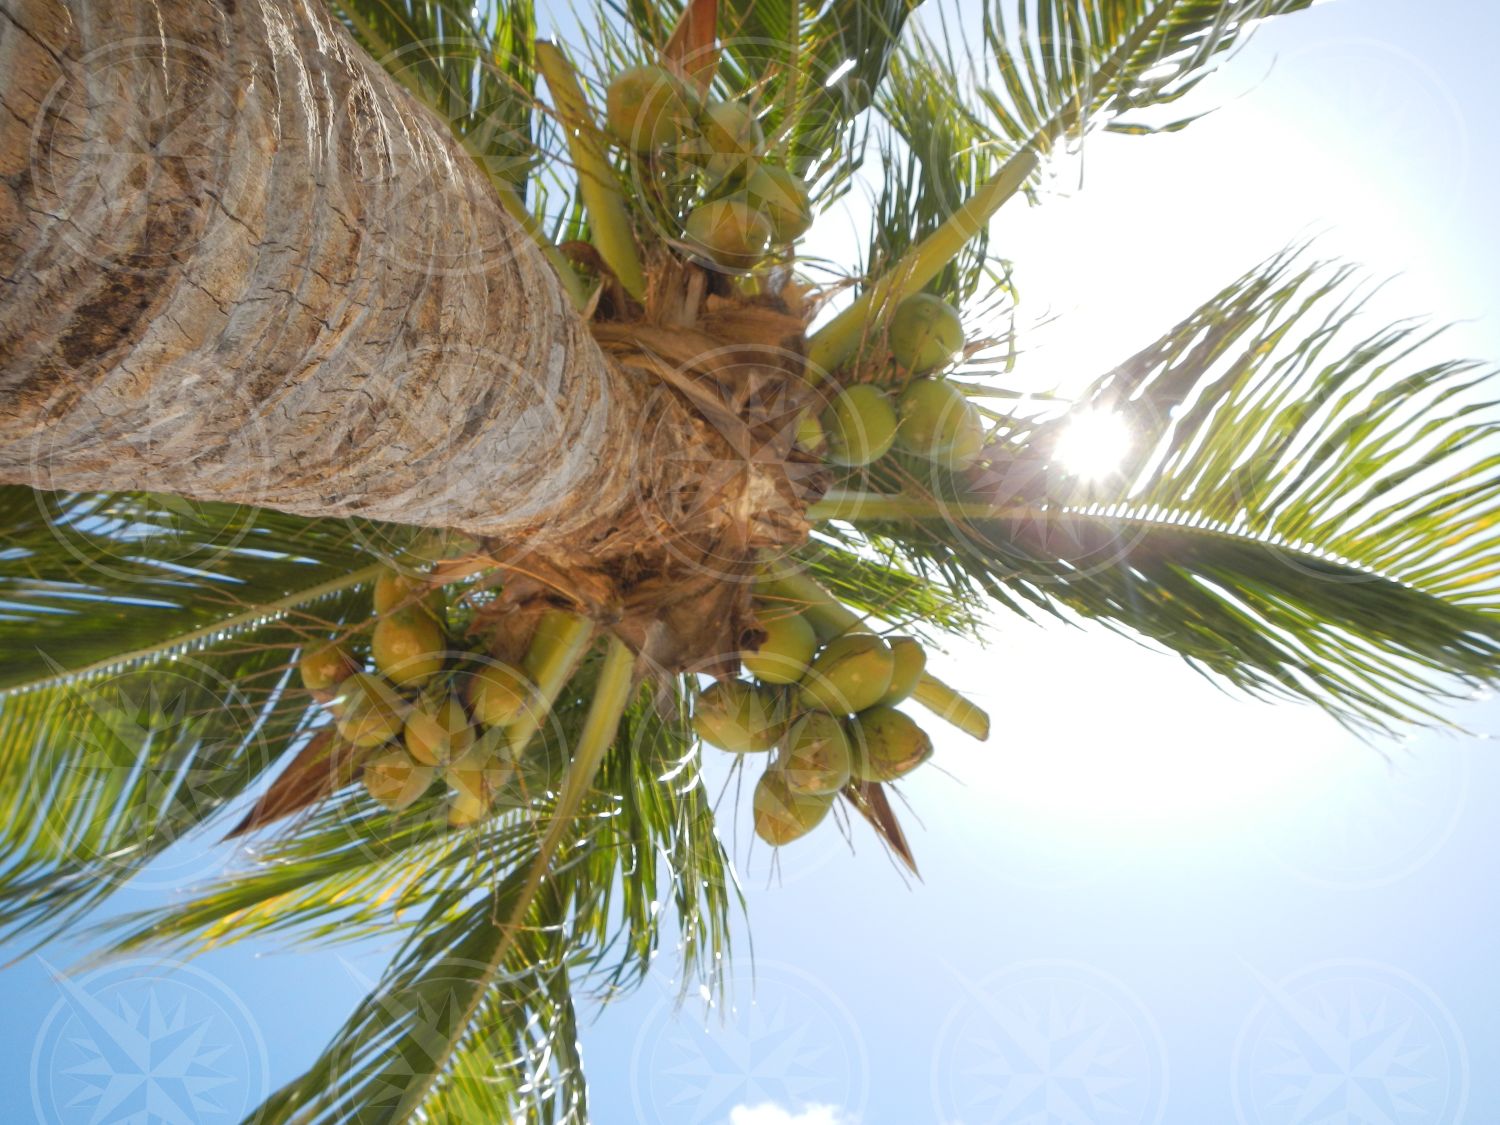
(1050, 71)
(460, 1022)
(149, 684)
(457, 1026)
(924, 596)
(811, 69)
(1298, 514)
(934, 155)
(1055, 68)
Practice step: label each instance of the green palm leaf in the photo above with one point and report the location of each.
(464, 1019)
(1298, 514)
(1305, 512)
(1050, 71)
(444, 1028)
(1052, 68)
(149, 681)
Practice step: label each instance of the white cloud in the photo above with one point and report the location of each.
(768, 1113)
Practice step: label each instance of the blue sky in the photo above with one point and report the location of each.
(1143, 901)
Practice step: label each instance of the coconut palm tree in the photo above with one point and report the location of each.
(403, 418)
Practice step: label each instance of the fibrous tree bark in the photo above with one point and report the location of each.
(238, 262)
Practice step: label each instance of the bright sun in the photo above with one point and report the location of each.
(1093, 444)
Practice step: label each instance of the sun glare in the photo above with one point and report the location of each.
(1093, 444)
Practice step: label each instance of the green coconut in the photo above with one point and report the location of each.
(408, 647)
(465, 809)
(860, 425)
(497, 693)
(810, 433)
(394, 780)
(909, 661)
(782, 815)
(394, 590)
(968, 442)
(467, 774)
(729, 231)
(925, 332)
(783, 198)
(938, 422)
(730, 129)
(367, 710)
(814, 757)
(646, 107)
(784, 655)
(886, 744)
(325, 666)
(851, 673)
(437, 730)
(738, 716)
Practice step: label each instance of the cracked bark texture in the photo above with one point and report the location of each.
(239, 263)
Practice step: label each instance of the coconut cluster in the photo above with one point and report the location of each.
(704, 169)
(731, 202)
(927, 416)
(423, 714)
(824, 712)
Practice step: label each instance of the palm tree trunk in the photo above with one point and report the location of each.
(240, 263)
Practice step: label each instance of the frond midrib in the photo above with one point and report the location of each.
(200, 637)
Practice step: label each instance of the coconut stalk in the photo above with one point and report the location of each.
(841, 337)
(857, 507)
(554, 668)
(952, 707)
(611, 696)
(609, 217)
(830, 617)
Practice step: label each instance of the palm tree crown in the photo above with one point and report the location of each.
(1305, 510)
